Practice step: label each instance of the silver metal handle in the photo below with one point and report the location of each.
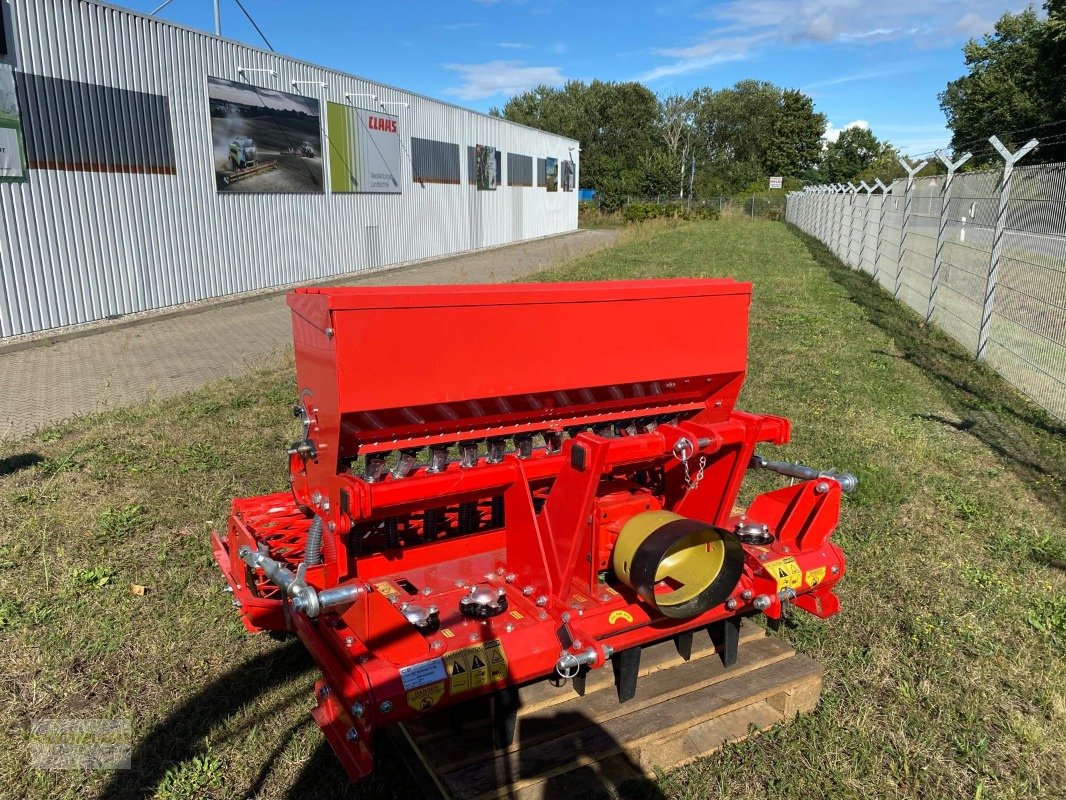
(848, 482)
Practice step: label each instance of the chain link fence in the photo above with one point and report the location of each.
(982, 255)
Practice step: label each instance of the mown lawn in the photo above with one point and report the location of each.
(945, 671)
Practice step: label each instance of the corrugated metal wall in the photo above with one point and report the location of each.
(82, 245)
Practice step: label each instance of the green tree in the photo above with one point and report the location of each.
(633, 144)
(676, 117)
(754, 130)
(616, 123)
(854, 151)
(1016, 81)
(885, 166)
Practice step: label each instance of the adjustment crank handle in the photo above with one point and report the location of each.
(848, 482)
(304, 598)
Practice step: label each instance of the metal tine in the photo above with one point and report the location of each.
(553, 441)
(469, 454)
(523, 444)
(438, 459)
(376, 467)
(406, 462)
(496, 450)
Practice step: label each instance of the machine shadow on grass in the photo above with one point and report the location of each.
(180, 737)
(1028, 440)
(9, 465)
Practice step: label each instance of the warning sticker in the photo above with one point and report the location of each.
(815, 576)
(385, 588)
(786, 572)
(497, 660)
(425, 698)
(475, 666)
(420, 674)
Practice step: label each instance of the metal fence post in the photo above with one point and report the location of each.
(836, 212)
(880, 222)
(827, 215)
(938, 258)
(865, 221)
(907, 195)
(844, 243)
(1009, 160)
(818, 223)
(852, 196)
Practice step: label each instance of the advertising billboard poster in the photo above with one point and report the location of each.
(12, 149)
(364, 150)
(486, 164)
(568, 176)
(264, 140)
(551, 174)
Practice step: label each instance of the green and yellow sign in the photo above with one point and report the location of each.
(364, 150)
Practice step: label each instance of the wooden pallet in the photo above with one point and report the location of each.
(567, 745)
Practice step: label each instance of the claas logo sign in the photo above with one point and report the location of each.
(382, 124)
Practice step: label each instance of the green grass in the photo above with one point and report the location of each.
(944, 672)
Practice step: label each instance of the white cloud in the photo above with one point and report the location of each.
(702, 55)
(973, 25)
(832, 133)
(462, 26)
(742, 28)
(885, 72)
(514, 45)
(501, 78)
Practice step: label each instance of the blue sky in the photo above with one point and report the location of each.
(875, 63)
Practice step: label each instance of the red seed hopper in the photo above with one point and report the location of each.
(496, 484)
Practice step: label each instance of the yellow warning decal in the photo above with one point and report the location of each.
(425, 697)
(447, 633)
(617, 615)
(497, 660)
(516, 614)
(475, 666)
(385, 588)
(786, 572)
(815, 576)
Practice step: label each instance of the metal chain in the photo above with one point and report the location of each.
(683, 453)
(699, 472)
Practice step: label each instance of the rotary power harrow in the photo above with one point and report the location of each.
(498, 484)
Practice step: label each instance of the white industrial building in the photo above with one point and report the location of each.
(144, 165)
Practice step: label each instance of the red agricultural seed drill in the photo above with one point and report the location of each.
(497, 484)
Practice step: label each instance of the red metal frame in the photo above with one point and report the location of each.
(626, 368)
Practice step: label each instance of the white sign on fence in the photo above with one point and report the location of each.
(775, 183)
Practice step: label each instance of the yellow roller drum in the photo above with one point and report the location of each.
(680, 566)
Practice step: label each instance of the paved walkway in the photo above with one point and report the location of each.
(159, 357)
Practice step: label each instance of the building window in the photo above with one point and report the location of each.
(434, 162)
(519, 170)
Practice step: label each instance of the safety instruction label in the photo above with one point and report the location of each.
(815, 576)
(786, 572)
(425, 698)
(475, 666)
(422, 673)
(385, 588)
